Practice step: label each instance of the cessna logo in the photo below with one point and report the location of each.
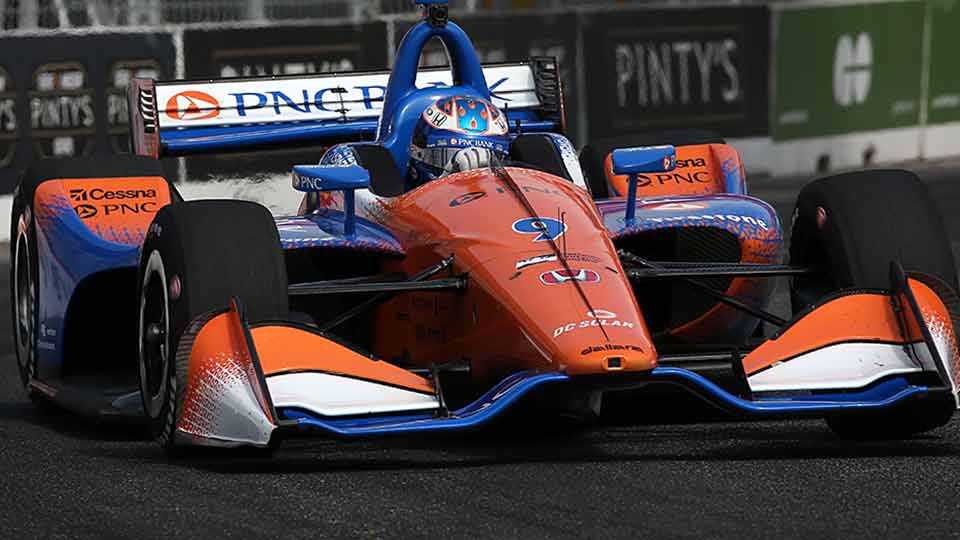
(98, 194)
(192, 105)
(86, 211)
(555, 277)
(852, 66)
(693, 162)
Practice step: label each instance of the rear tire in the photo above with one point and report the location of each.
(197, 256)
(24, 261)
(851, 227)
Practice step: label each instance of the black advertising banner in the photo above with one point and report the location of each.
(277, 50)
(517, 38)
(65, 95)
(673, 68)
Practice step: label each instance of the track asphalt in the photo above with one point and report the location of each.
(63, 477)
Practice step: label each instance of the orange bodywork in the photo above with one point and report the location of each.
(518, 312)
(863, 317)
(285, 349)
(115, 209)
(699, 171)
(219, 359)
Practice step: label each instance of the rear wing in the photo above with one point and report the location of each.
(186, 117)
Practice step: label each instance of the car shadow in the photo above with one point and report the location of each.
(52, 418)
(510, 445)
(634, 444)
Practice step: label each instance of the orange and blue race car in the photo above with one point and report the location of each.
(526, 278)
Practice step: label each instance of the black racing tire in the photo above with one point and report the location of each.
(868, 220)
(917, 416)
(24, 264)
(196, 257)
(594, 154)
(871, 219)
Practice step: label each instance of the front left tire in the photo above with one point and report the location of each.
(196, 257)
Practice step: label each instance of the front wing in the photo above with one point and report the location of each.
(859, 352)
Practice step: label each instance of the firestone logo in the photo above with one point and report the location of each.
(191, 105)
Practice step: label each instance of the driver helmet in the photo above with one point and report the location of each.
(456, 134)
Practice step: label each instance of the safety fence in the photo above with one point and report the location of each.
(797, 86)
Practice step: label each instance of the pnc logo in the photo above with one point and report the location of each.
(191, 105)
(86, 211)
(852, 69)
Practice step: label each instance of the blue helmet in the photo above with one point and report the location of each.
(456, 134)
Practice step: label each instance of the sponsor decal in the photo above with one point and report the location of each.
(85, 211)
(191, 105)
(97, 194)
(677, 206)
(646, 180)
(692, 162)
(535, 260)
(544, 228)
(570, 327)
(852, 69)
(468, 198)
(601, 314)
(610, 347)
(8, 118)
(570, 257)
(562, 275)
(127, 201)
(307, 183)
(62, 117)
(732, 218)
(669, 73)
(474, 195)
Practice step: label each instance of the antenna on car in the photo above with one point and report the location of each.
(435, 12)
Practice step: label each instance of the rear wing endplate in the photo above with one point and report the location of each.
(184, 117)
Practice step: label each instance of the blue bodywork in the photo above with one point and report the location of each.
(70, 252)
(509, 391)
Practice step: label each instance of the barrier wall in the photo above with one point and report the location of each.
(798, 87)
(675, 68)
(65, 96)
(877, 84)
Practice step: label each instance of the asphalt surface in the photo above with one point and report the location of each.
(65, 477)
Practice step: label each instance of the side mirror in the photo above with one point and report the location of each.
(310, 178)
(314, 178)
(642, 159)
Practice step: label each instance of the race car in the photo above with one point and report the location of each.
(542, 281)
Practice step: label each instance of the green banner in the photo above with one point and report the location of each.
(848, 68)
(944, 89)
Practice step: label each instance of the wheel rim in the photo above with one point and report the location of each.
(154, 329)
(25, 302)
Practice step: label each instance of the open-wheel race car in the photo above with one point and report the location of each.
(520, 275)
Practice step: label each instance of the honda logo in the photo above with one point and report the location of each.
(554, 277)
